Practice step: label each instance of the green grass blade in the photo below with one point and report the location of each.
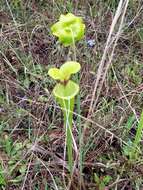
(138, 137)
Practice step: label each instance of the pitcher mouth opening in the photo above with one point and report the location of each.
(68, 91)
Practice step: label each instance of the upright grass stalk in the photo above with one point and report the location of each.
(78, 102)
(77, 81)
(77, 78)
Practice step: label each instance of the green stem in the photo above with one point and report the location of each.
(78, 102)
(77, 78)
(67, 106)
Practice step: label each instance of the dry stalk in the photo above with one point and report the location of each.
(104, 65)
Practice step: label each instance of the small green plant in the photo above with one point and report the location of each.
(65, 92)
(2, 177)
(68, 29)
(133, 148)
(102, 182)
(13, 152)
(136, 143)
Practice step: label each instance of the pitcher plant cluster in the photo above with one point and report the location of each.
(69, 29)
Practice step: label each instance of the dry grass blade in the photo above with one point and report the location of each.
(26, 175)
(122, 7)
(56, 187)
(15, 23)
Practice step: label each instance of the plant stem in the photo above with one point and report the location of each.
(78, 102)
(67, 106)
(69, 147)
